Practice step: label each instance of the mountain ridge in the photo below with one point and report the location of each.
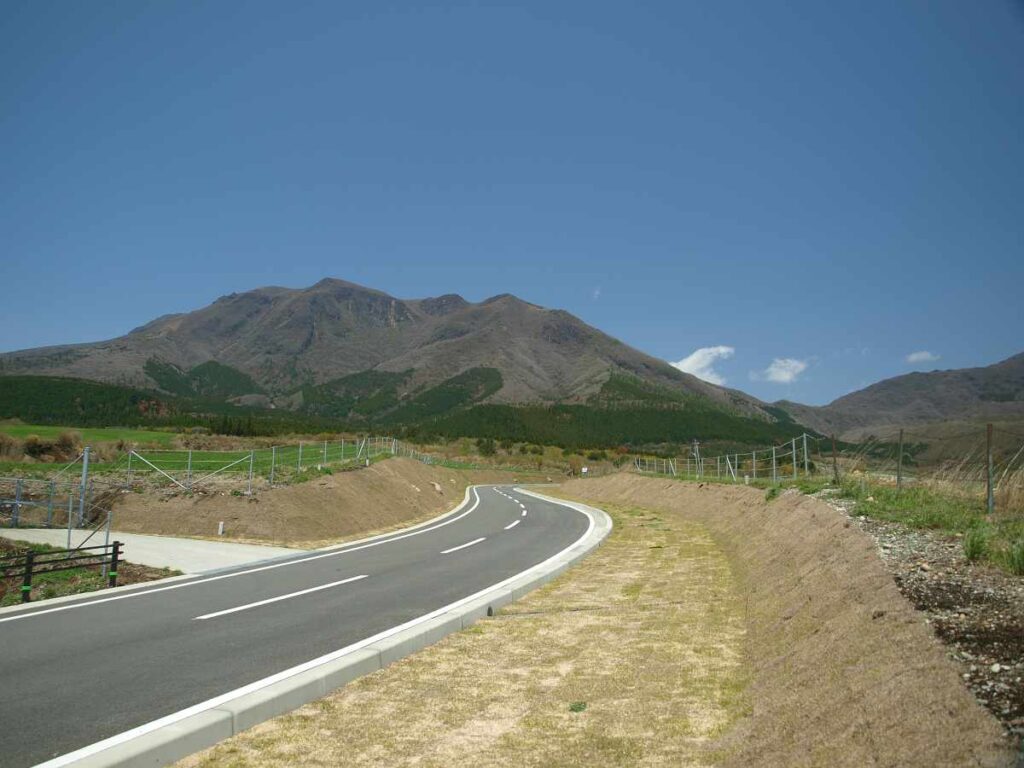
(286, 339)
(993, 392)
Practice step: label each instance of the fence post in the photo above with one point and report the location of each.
(112, 573)
(990, 497)
(273, 461)
(299, 466)
(343, 449)
(807, 465)
(899, 463)
(775, 473)
(71, 502)
(188, 471)
(753, 463)
(26, 582)
(325, 451)
(49, 504)
(835, 463)
(793, 441)
(84, 487)
(106, 543)
(252, 455)
(17, 503)
(128, 484)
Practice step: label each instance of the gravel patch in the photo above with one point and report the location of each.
(975, 609)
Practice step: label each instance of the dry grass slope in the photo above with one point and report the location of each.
(632, 658)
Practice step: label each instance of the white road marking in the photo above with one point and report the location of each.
(524, 512)
(463, 546)
(199, 581)
(276, 599)
(511, 525)
(224, 698)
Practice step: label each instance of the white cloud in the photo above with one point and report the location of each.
(597, 293)
(701, 363)
(921, 357)
(783, 370)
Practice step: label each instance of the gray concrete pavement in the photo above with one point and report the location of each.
(185, 555)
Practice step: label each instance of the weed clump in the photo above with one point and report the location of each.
(976, 544)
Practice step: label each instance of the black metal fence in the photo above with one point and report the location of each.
(32, 563)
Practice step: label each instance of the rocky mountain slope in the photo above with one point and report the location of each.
(992, 393)
(336, 343)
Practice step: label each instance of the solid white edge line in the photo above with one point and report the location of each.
(224, 698)
(512, 525)
(463, 546)
(207, 580)
(246, 607)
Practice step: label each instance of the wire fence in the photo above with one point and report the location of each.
(190, 469)
(987, 462)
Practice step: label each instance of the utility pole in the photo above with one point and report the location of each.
(807, 466)
(899, 464)
(991, 499)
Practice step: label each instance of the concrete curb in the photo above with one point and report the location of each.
(220, 718)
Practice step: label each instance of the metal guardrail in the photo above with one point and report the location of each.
(36, 563)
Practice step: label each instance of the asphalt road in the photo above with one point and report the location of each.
(80, 672)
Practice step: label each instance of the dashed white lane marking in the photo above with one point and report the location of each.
(463, 546)
(276, 599)
(511, 525)
(524, 513)
(195, 582)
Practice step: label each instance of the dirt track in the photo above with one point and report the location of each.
(387, 494)
(845, 671)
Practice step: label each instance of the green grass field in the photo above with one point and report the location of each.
(90, 435)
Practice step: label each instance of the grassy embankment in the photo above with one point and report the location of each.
(997, 538)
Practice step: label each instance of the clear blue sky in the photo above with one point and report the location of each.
(835, 184)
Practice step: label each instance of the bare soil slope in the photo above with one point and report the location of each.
(388, 494)
(845, 671)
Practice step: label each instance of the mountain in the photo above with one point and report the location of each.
(968, 395)
(343, 351)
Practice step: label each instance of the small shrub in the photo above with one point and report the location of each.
(68, 442)
(976, 544)
(486, 446)
(36, 446)
(771, 493)
(1015, 557)
(578, 706)
(9, 447)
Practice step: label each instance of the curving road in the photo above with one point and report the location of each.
(78, 672)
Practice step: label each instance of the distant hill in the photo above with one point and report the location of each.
(342, 353)
(967, 395)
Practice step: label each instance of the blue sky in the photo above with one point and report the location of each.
(823, 188)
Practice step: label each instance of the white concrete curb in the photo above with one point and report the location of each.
(204, 725)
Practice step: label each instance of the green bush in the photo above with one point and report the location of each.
(1015, 557)
(976, 544)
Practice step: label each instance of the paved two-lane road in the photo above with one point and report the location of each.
(76, 673)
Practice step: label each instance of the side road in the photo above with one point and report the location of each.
(186, 555)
